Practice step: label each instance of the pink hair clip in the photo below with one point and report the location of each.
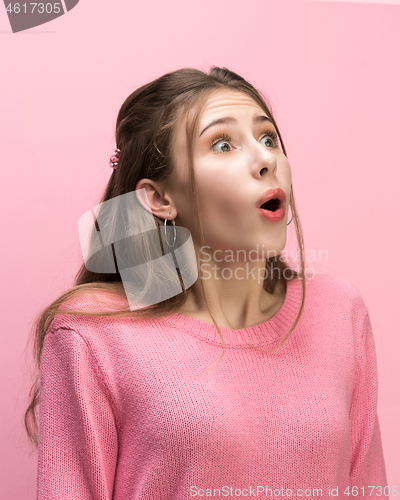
(114, 159)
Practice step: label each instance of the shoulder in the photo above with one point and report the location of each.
(86, 310)
(335, 292)
(95, 300)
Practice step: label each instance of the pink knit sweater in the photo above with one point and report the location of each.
(125, 415)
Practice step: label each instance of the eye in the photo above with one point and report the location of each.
(223, 137)
(272, 138)
(272, 141)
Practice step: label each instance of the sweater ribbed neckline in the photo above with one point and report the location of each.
(267, 332)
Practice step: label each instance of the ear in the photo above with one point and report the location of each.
(155, 199)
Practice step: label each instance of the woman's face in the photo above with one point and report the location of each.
(232, 173)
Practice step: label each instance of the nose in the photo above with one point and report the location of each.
(264, 161)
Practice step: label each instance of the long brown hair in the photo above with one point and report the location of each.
(144, 129)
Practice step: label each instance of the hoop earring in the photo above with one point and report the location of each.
(290, 220)
(165, 232)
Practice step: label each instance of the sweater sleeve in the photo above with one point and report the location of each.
(367, 473)
(78, 444)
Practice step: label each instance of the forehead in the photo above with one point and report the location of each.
(227, 101)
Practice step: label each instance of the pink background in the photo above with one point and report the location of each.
(332, 72)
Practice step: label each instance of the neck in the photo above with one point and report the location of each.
(234, 292)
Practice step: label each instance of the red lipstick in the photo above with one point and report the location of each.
(271, 204)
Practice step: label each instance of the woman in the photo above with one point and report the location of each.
(132, 401)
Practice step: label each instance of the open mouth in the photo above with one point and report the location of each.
(271, 205)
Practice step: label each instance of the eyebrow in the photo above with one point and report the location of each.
(230, 119)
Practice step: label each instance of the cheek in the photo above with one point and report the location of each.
(212, 182)
(222, 192)
(220, 202)
(287, 170)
